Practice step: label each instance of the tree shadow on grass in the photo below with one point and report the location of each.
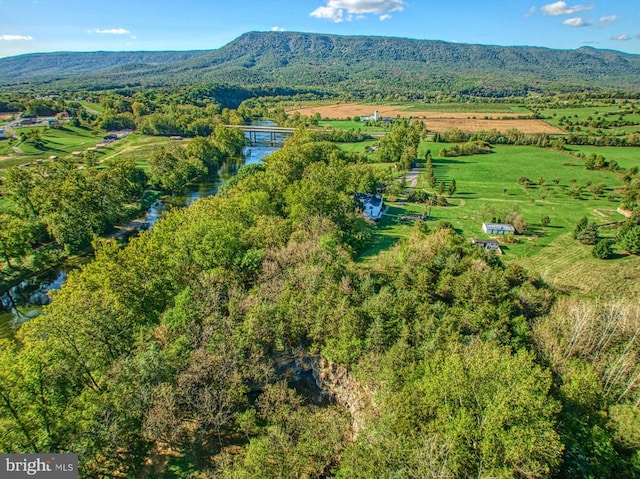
(615, 256)
(449, 161)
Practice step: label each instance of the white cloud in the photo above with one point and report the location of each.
(336, 15)
(15, 38)
(112, 31)
(346, 10)
(561, 8)
(385, 17)
(576, 22)
(608, 20)
(532, 11)
(623, 37)
(278, 29)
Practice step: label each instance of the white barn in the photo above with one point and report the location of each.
(498, 229)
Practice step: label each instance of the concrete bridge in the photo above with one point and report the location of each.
(273, 131)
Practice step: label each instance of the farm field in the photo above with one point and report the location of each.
(489, 184)
(597, 119)
(626, 157)
(442, 117)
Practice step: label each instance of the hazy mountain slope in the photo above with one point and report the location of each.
(356, 64)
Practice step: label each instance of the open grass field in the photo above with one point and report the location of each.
(353, 125)
(626, 157)
(468, 117)
(65, 141)
(569, 266)
(489, 183)
(596, 119)
(55, 142)
(95, 108)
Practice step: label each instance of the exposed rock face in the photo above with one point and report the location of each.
(331, 382)
(347, 392)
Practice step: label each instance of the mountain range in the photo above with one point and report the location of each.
(360, 65)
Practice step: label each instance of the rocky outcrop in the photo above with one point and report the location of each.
(347, 391)
(324, 381)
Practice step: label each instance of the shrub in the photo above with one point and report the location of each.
(589, 235)
(602, 249)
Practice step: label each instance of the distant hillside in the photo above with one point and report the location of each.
(360, 65)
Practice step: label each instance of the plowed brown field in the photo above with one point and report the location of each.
(437, 121)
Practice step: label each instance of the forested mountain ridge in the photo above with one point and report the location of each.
(354, 64)
(61, 64)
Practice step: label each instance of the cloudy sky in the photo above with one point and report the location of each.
(86, 25)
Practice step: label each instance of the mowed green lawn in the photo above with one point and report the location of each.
(491, 181)
(64, 141)
(593, 112)
(353, 125)
(626, 157)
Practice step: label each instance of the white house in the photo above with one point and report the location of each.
(490, 245)
(372, 205)
(498, 229)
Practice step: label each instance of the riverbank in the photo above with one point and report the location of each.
(30, 284)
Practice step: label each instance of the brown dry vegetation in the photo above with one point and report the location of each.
(436, 121)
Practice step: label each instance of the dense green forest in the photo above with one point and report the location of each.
(181, 353)
(364, 67)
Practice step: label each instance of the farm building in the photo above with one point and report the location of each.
(372, 205)
(498, 229)
(3, 135)
(374, 117)
(491, 245)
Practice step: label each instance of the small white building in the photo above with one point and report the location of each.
(374, 117)
(372, 205)
(498, 229)
(489, 245)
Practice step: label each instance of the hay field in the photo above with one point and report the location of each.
(436, 120)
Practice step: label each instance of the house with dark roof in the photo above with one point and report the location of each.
(372, 205)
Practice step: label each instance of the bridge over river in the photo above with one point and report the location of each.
(264, 133)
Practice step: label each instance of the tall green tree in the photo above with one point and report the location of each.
(15, 237)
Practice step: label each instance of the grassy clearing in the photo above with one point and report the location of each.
(389, 230)
(591, 114)
(491, 181)
(136, 146)
(64, 141)
(569, 266)
(626, 157)
(95, 108)
(352, 125)
(485, 181)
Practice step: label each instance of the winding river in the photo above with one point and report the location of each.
(24, 301)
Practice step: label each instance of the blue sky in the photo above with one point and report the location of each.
(87, 25)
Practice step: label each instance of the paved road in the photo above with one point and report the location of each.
(412, 178)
